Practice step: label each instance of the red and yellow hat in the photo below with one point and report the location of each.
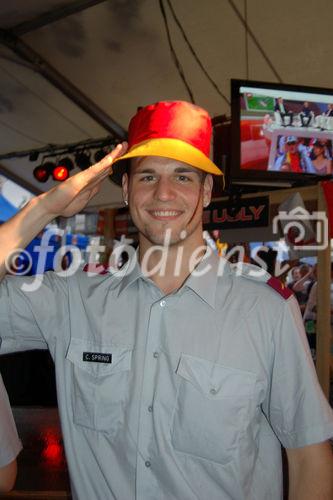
(173, 129)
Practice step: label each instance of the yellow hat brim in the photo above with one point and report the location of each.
(174, 149)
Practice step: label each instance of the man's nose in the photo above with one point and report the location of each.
(164, 190)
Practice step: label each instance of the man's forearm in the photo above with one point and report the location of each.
(21, 229)
(310, 486)
(67, 199)
(311, 474)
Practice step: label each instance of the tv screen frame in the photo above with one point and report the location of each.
(274, 135)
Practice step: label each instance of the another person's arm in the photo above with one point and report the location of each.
(311, 303)
(10, 445)
(66, 199)
(8, 476)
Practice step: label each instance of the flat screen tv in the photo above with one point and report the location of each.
(281, 135)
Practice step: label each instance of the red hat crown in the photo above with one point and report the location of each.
(172, 120)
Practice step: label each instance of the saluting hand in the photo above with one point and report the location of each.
(72, 195)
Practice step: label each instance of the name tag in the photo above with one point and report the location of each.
(97, 357)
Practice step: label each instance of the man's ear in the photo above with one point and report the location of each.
(207, 189)
(124, 182)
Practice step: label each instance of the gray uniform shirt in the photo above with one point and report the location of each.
(10, 445)
(186, 396)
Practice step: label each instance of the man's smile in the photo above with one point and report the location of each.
(165, 214)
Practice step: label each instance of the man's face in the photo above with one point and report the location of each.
(166, 194)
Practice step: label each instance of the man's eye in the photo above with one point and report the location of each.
(147, 178)
(183, 178)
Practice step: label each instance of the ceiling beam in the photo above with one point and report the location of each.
(53, 15)
(21, 182)
(62, 83)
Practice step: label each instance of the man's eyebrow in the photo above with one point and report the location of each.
(143, 170)
(180, 170)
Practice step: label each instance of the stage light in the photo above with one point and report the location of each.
(33, 156)
(61, 171)
(82, 160)
(99, 155)
(42, 172)
(66, 162)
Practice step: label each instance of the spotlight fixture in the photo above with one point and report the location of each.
(82, 160)
(99, 155)
(33, 156)
(61, 171)
(42, 172)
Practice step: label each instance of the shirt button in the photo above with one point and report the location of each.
(162, 303)
(213, 391)
(150, 408)
(147, 463)
(156, 355)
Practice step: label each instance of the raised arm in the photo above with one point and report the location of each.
(66, 199)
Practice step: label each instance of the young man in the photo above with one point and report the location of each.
(10, 445)
(178, 378)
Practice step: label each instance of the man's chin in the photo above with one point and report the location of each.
(165, 238)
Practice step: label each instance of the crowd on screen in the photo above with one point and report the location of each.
(304, 155)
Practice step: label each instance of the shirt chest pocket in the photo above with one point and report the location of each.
(212, 408)
(100, 386)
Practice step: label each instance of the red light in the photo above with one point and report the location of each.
(60, 173)
(41, 173)
(52, 452)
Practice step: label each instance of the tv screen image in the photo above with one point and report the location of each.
(281, 131)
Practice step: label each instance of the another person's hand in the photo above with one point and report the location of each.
(72, 195)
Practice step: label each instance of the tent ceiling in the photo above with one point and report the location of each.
(116, 54)
(20, 11)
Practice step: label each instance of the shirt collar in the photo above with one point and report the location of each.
(203, 280)
(129, 273)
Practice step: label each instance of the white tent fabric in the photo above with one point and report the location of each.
(116, 53)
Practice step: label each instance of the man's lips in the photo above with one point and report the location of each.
(165, 214)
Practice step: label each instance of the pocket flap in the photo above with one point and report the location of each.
(215, 380)
(99, 360)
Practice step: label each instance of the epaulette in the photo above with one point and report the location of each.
(279, 287)
(255, 273)
(96, 268)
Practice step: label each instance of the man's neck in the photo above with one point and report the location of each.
(170, 267)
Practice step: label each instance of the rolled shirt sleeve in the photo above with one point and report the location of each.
(297, 408)
(32, 311)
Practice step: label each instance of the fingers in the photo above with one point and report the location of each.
(107, 161)
(89, 178)
(96, 173)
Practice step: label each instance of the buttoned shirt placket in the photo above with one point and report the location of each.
(146, 486)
